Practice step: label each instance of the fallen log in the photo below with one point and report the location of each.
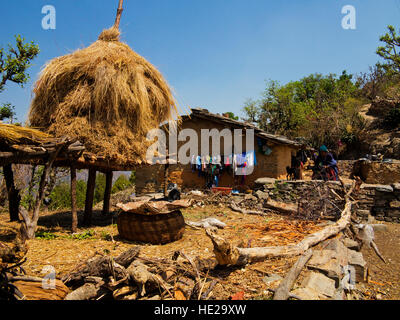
(283, 291)
(286, 208)
(227, 254)
(86, 292)
(236, 208)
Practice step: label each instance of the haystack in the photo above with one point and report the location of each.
(105, 95)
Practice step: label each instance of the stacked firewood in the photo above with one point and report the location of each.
(131, 277)
(11, 259)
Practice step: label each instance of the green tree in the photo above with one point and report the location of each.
(132, 178)
(390, 52)
(320, 108)
(100, 188)
(122, 183)
(13, 66)
(15, 62)
(7, 111)
(231, 115)
(251, 111)
(61, 196)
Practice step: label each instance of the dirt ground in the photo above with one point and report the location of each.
(384, 279)
(56, 246)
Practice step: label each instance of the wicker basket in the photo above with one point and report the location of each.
(154, 229)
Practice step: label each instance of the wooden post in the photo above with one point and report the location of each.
(14, 197)
(74, 211)
(91, 184)
(107, 192)
(29, 224)
(119, 14)
(166, 176)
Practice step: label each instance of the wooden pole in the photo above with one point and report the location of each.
(29, 224)
(107, 192)
(166, 176)
(74, 210)
(283, 291)
(91, 184)
(14, 197)
(119, 14)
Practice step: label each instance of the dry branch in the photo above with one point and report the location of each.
(227, 254)
(281, 207)
(235, 208)
(283, 291)
(29, 223)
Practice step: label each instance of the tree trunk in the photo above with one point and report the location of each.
(283, 291)
(91, 184)
(14, 197)
(74, 211)
(29, 225)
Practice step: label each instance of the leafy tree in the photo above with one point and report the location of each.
(251, 111)
(15, 62)
(100, 188)
(391, 51)
(121, 184)
(13, 66)
(320, 108)
(61, 196)
(231, 115)
(132, 178)
(7, 112)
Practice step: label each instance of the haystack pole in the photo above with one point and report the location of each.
(74, 210)
(119, 14)
(14, 197)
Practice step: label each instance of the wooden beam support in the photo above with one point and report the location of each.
(107, 192)
(91, 184)
(29, 224)
(14, 197)
(74, 210)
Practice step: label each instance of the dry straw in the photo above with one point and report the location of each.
(13, 134)
(106, 95)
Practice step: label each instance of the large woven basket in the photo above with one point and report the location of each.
(154, 229)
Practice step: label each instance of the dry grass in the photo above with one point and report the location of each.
(65, 252)
(12, 134)
(106, 95)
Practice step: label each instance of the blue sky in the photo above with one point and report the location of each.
(214, 53)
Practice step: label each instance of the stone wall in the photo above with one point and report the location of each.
(379, 201)
(150, 179)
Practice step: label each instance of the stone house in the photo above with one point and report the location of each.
(273, 154)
